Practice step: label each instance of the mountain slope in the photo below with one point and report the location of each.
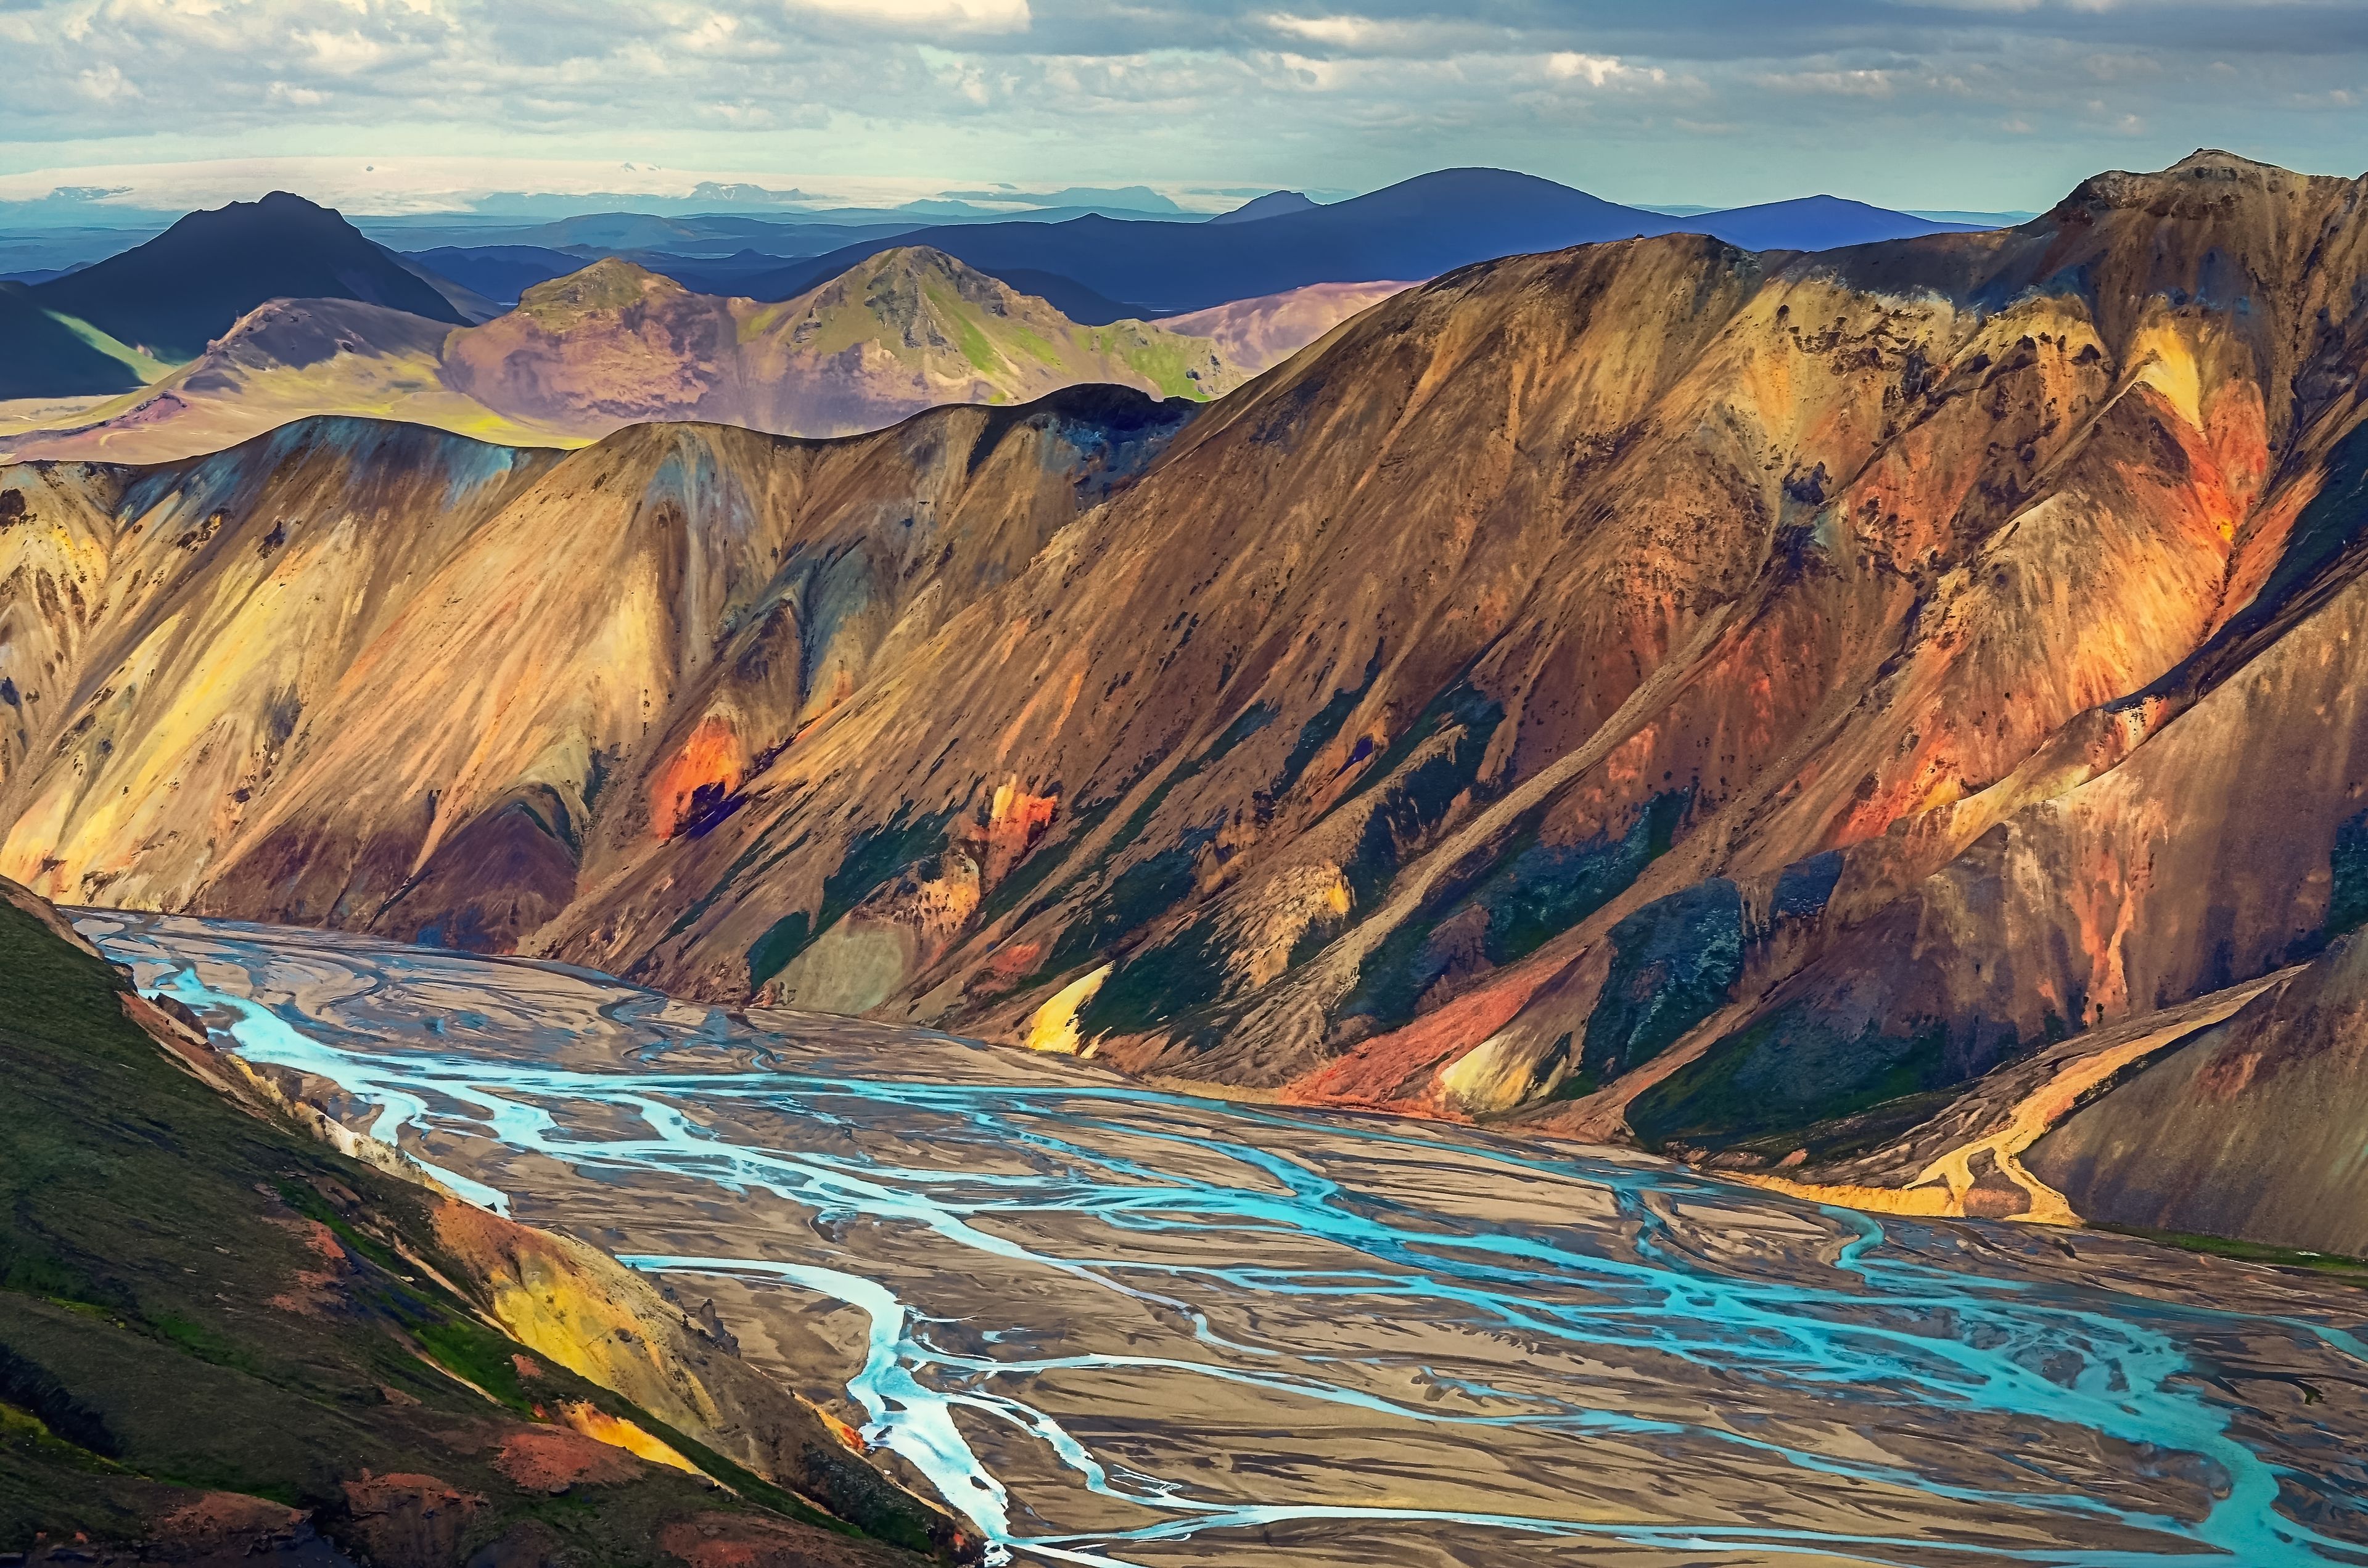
(47, 357)
(2249, 1128)
(218, 1339)
(1255, 335)
(500, 273)
(1817, 222)
(1650, 690)
(178, 292)
(245, 630)
(613, 345)
(1273, 204)
(904, 330)
(285, 360)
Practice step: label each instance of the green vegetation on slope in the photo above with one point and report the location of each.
(2351, 1270)
(51, 355)
(193, 1299)
(146, 367)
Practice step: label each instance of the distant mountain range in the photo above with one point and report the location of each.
(1100, 269)
(120, 325)
(1098, 255)
(1417, 229)
(613, 345)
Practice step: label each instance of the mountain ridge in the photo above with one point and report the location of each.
(613, 345)
(1419, 228)
(1652, 690)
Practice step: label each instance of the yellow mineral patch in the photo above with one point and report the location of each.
(1495, 1075)
(618, 1433)
(2165, 361)
(1055, 1025)
(573, 1307)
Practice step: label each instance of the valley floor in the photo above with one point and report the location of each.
(1116, 1324)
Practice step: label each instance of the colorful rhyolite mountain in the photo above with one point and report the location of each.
(1648, 690)
(905, 330)
(613, 345)
(1256, 335)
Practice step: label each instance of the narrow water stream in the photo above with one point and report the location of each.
(1118, 1326)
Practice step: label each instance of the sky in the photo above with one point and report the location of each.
(1976, 104)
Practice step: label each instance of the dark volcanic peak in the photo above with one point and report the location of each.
(1817, 222)
(180, 290)
(1273, 204)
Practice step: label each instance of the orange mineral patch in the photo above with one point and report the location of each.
(1015, 820)
(1400, 1070)
(217, 1515)
(552, 1459)
(711, 760)
(313, 1290)
(848, 1437)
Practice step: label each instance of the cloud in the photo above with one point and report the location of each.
(1931, 103)
(1598, 70)
(1833, 83)
(963, 16)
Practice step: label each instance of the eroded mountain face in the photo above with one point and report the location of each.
(375, 676)
(1647, 684)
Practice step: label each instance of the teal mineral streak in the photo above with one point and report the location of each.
(1894, 1335)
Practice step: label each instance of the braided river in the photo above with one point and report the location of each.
(1111, 1325)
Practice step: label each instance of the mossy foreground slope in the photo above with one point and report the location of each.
(220, 1339)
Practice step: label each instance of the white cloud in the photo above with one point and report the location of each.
(1931, 103)
(1598, 70)
(105, 85)
(1833, 83)
(963, 16)
(1346, 32)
